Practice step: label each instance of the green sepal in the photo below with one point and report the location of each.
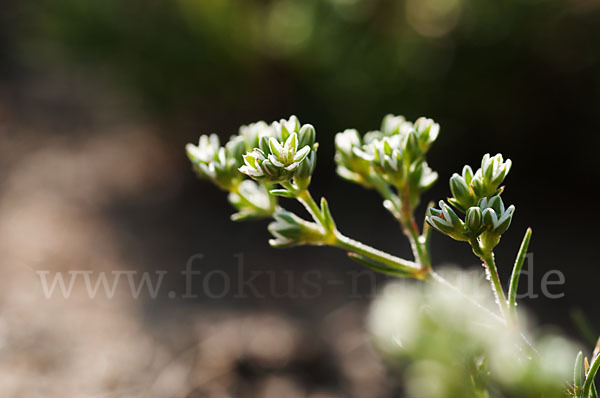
(460, 190)
(473, 220)
(457, 205)
(326, 212)
(306, 168)
(282, 192)
(307, 135)
(263, 144)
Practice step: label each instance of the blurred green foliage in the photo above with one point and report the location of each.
(446, 346)
(343, 60)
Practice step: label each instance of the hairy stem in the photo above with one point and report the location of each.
(341, 241)
(403, 212)
(411, 230)
(490, 263)
(311, 206)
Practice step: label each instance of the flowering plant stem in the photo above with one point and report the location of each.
(311, 206)
(489, 262)
(381, 261)
(386, 263)
(590, 375)
(404, 213)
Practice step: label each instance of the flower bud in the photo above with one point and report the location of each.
(289, 230)
(305, 170)
(462, 197)
(235, 149)
(492, 173)
(412, 149)
(393, 155)
(421, 177)
(447, 222)
(214, 162)
(307, 135)
(276, 161)
(391, 124)
(427, 132)
(353, 163)
(467, 174)
(253, 132)
(389, 161)
(473, 220)
(496, 219)
(284, 128)
(489, 217)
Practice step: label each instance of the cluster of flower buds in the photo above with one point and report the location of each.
(467, 189)
(280, 152)
(287, 153)
(214, 162)
(351, 164)
(394, 154)
(220, 164)
(488, 220)
(478, 197)
(290, 230)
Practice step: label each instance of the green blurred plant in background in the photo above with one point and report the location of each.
(332, 58)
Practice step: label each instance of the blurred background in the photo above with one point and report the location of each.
(99, 97)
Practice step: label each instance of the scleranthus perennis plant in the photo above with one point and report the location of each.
(496, 356)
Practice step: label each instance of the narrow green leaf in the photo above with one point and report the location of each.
(282, 192)
(578, 372)
(516, 273)
(378, 267)
(589, 378)
(327, 217)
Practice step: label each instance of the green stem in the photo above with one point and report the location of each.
(311, 206)
(343, 242)
(411, 229)
(417, 242)
(303, 196)
(591, 374)
(337, 239)
(490, 264)
(403, 212)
